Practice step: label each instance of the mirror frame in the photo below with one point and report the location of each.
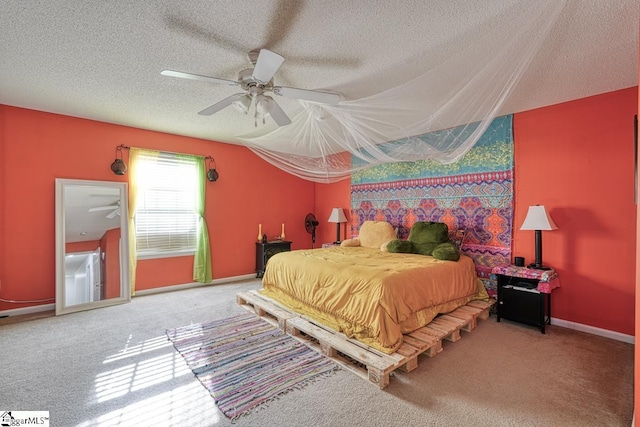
(60, 217)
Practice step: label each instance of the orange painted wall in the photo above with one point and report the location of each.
(636, 364)
(37, 147)
(576, 158)
(560, 162)
(3, 203)
(329, 196)
(89, 246)
(110, 246)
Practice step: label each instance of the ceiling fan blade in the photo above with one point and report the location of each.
(308, 95)
(266, 66)
(277, 114)
(113, 214)
(190, 76)
(220, 105)
(102, 208)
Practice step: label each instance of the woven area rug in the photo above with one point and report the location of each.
(244, 361)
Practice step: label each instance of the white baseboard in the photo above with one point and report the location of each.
(593, 330)
(194, 285)
(27, 310)
(47, 307)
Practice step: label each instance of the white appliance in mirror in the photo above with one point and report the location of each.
(92, 245)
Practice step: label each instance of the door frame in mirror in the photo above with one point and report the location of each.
(60, 219)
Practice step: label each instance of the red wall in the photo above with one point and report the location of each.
(110, 246)
(37, 147)
(329, 196)
(636, 364)
(89, 246)
(576, 158)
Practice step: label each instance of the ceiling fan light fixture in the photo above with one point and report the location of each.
(263, 104)
(243, 104)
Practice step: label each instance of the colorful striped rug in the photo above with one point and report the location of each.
(243, 361)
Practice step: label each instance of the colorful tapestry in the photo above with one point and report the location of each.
(474, 194)
(244, 361)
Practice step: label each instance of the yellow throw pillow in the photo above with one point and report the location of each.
(373, 234)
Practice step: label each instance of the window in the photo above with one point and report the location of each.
(165, 218)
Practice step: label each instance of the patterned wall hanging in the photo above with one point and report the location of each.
(474, 194)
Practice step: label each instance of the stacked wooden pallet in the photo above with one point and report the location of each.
(370, 363)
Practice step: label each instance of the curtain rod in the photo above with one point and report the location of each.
(122, 146)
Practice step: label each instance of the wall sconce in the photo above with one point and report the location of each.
(118, 166)
(337, 216)
(212, 173)
(538, 219)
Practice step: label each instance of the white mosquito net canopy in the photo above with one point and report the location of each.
(419, 119)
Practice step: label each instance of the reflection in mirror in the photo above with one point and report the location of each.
(91, 245)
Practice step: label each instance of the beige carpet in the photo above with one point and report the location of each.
(114, 366)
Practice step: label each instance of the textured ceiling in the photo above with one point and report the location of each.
(102, 59)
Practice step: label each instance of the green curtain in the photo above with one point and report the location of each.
(202, 258)
(134, 155)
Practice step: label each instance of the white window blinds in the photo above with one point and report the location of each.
(165, 218)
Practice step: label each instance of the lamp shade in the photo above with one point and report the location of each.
(337, 215)
(538, 219)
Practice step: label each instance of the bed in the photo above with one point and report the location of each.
(369, 294)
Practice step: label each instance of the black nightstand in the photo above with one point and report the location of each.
(524, 294)
(264, 251)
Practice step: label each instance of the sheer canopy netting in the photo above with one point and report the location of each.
(424, 118)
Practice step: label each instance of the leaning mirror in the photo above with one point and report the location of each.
(92, 245)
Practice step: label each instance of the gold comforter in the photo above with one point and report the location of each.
(368, 294)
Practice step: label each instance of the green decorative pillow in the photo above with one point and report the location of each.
(447, 252)
(424, 248)
(427, 235)
(400, 246)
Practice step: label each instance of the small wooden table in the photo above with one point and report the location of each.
(524, 294)
(264, 251)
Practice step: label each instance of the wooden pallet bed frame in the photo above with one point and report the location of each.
(357, 357)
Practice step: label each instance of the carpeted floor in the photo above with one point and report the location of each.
(115, 367)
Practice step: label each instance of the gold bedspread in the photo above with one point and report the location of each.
(368, 294)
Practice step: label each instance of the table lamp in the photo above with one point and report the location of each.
(538, 219)
(337, 216)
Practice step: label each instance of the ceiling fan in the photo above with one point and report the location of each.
(255, 82)
(115, 210)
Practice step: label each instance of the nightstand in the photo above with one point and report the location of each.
(524, 294)
(264, 251)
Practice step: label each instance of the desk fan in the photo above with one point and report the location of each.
(310, 224)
